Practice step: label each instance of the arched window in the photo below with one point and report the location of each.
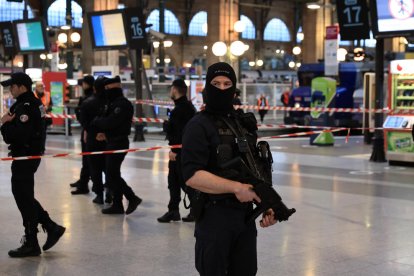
(13, 11)
(172, 26)
(250, 31)
(276, 30)
(196, 24)
(56, 14)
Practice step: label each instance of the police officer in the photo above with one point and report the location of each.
(225, 242)
(116, 125)
(82, 184)
(90, 108)
(23, 129)
(174, 127)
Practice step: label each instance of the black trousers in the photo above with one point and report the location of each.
(176, 183)
(85, 174)
(22, 181)
(96, 165)
(262, 113)
(115, 181)
(225, 244)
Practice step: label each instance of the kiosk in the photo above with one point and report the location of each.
(397, 127)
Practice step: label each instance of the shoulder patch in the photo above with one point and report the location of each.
(117, 110)
(24, 118)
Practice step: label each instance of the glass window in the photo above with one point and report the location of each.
(56, 14)
(13, 11)
(371, 42)
(276, 30)
(172, 26)
(196, 24)
(250, 31)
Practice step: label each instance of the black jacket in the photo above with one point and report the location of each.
(179, 117)
(26, 132)
(116, 123)
(91, 107)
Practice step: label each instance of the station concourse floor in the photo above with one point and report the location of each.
(354, 217)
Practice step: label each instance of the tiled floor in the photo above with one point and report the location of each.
(354, 217)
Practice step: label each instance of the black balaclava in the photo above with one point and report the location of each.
(89, 80)
(100, 86)
(217, 100)
(116, 91)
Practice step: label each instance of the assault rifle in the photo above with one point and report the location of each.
(270, 199)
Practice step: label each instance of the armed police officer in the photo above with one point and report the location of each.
(23, 129)
(225, 241)
(116, 126)
(174, 127)
(91, 108)
(85, 174)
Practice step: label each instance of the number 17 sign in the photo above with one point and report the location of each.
(353, 19)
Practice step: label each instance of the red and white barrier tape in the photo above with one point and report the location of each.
(264, 126)
(89, 153)
(302, 133)
(260, 126)
(167, 104)
(134, 119)
(152, 148)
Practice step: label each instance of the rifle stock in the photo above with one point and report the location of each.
(270, 199)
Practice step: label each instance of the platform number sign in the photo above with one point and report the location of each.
(353, 19)
(7, 38)
(135, 24)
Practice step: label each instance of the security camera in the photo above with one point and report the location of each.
(158, 35)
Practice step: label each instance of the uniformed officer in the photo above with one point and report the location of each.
(225, 242)
(23, 129)
(91, 108)
(116, 125)
(174, 128)
(85, 174)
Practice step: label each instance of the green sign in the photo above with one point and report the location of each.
(326, 86)
(56, 94)
(400, 142)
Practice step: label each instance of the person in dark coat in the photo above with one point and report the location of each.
(174, 128)
(92, 107)
(23, 129)
(116, 126)
(85, 175)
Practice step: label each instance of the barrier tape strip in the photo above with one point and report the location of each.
(303, 133)
(260, 126)
(88, 153)
(166, 104)
(264, 126)
(134, 119)
(59, 155)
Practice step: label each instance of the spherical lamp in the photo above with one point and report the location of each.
(219, 49)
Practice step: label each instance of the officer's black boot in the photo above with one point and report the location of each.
(190, 217)
(99, 198)
(54, 232)
(133, 200)
(114, 209)
(81, 189)
(108, 196)
(172, 215)
(75, 184)
(30, 245)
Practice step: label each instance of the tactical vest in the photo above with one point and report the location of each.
(232, 146)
